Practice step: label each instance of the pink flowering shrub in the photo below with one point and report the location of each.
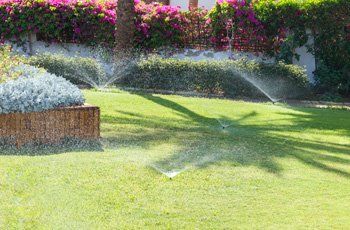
(58, 20)
(93, 22)
(158, 25)
(235, 20)
(88, 21)
(197, 29)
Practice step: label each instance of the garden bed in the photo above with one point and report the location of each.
(52, 126)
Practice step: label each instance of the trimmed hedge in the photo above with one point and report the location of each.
(75, 69)
(212, 77)
(228, 78)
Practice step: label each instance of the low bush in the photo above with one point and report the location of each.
(36, 90)
(75, 69)
(228, 78)
(331, 81)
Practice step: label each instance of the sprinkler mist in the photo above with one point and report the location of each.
(187, 160)
(274, 88)
(222, 124)
(171, 173)
(111, 66)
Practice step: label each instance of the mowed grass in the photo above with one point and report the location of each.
(275, 167)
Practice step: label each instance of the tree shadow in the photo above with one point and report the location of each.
(320, 119)
(183, 111)
(201, 142)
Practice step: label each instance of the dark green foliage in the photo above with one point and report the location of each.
(76, 70)
(216, 77)
(329, 22)
(332, 81)
(212, 77)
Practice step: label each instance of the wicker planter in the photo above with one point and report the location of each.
(50, 127)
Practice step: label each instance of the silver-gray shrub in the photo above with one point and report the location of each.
(36, 90)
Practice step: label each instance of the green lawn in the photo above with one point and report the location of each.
(275, 167)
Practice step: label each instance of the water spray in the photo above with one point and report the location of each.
(111, 67)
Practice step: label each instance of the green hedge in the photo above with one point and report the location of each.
(212, 77)
(75, 69)
(227, 78)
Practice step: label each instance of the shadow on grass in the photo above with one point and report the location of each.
(203, 143)
(39, 149)
(182, 111)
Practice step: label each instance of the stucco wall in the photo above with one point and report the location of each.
(306, 59)
(181, 3)
(207, 4)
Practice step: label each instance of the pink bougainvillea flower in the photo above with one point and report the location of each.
(77, 30)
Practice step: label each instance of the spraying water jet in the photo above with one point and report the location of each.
(168, 173)
(273, 89)
(111, 66)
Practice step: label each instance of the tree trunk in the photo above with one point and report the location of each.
(125, 25)
(193, 4)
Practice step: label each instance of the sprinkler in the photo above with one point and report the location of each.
(226, 126)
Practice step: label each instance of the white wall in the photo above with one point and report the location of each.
(206, 4)
(198, 55)
(66, 49)
(182, 3)
(306, 59)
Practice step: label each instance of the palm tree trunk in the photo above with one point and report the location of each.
(193, 4)
(125, 25)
